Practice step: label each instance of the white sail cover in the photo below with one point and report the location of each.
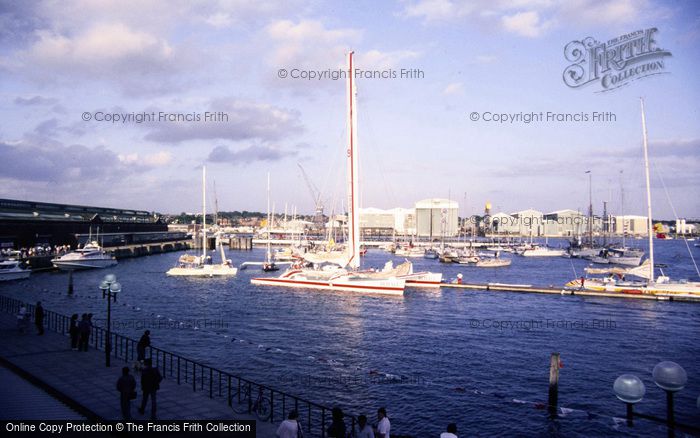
(339, 258)
(641, 271)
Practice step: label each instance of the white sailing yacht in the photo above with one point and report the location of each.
(340, 270)
(201, 265)
(662, 285)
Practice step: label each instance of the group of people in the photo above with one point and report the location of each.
(291, 428)
(150, 381)
(39, 250)
(80, 331)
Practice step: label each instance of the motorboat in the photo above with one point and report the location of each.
(90, 256)
(12, 270)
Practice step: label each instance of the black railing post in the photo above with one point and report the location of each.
(250, 398)
(211, 383)
(178, 370)
(323, 422)
(229, 389)
(194, 376)
(272, 406)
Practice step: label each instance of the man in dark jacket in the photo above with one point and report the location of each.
(126, 385)
(150, 383)
(39, 318)
(144, 343)
(84, 332)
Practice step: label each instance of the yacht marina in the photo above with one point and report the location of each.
(351, 219)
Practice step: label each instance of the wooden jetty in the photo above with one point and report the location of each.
(564, 291)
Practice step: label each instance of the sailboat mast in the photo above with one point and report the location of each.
(590, 208)
(204, 212)
(353, 187)
(650, 227)
(268, 218)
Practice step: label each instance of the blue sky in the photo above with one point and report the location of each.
(60, 59)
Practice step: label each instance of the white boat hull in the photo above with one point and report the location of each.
(493, 263)
(203, 271)
(343, 283)
(543, 253)
(15, 275)
(73, 265)
(423, 279)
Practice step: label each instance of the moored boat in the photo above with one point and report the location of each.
(90, 256)
(12, 270)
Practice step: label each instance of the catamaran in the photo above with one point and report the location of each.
(201, 265)
(340, 270)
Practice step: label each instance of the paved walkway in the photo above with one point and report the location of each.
(83, 378)
(21, 400)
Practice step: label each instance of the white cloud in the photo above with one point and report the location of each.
(105, 47)
(309, 44)
(453, 88)
(525, 24)
(533, 18)
(157, 159)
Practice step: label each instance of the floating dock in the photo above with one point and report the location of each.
(526, 288)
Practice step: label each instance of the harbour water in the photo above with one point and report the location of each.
(480, 359)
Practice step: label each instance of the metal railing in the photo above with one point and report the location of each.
(218, 384)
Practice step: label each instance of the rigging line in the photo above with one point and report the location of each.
(369, 139)
(675, 215)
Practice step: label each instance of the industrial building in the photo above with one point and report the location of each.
(25, 224)
(378, 222)
(630, 225)
(437, 217)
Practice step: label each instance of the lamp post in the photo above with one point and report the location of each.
(670, 377)
(110, 288)
(630, 389)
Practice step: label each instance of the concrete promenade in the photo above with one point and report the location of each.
(82, 379)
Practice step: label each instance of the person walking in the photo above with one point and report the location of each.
(337, 427)
(289, 428)
(451, 431)
(363, 430)
(150, 384)
(39, 318)
(74, 332)
(84, 333)
(126, 385)
(144, 342)
(383, 426)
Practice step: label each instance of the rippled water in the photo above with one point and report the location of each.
(455, 364)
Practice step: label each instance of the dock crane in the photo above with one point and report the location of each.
(316, 196)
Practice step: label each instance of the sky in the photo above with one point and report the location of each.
(62, 62)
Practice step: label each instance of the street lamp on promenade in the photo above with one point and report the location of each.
(110, 287)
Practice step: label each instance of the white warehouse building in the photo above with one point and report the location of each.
(437, 216)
